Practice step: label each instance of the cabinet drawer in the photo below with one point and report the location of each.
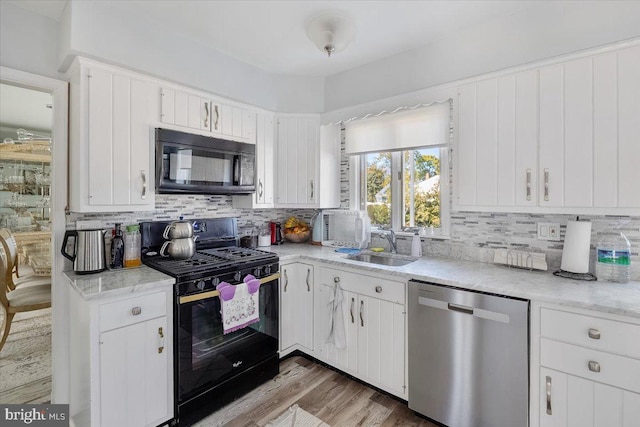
(593, 332)
(372, 286)
(618, 371)
(121, 313)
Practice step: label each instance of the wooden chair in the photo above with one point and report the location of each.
(8, 242)
(24, 298)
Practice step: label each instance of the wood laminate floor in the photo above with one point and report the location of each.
(332, 397)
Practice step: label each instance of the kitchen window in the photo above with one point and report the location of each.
(400, 184)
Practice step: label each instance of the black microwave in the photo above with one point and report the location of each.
(197, 164)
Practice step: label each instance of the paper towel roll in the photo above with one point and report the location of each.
(577, 243)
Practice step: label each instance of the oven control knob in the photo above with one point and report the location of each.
(267, 270)
(256, 272)
(237, 276)
(215, 282)
(200, 284)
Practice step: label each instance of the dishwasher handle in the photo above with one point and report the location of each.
(460, 308)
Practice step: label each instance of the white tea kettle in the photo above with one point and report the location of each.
(88, 250)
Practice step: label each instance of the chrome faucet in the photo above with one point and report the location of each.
(391, 237)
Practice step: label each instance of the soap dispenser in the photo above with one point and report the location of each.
(416, 246)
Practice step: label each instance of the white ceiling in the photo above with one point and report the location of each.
(271, 35)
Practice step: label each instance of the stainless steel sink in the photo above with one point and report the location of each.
(391, 260)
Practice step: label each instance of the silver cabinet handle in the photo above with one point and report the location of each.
(528, 184)
(215, 124)
(361, 315)
(286, 280)
(353, 301)
(308, 286)
(144, 185)
(594, 366)
(311, 189)
(379, 289)
(206, 114)
(546, 185)
(161, 334)
(594, 334)
(260, 188)
(549, 411)
(136, 311)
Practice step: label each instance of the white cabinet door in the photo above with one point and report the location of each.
(496, 153)
(298, 162)
(296, 306)
(570, 401)
(526, 132)
(263, 132)
(134, 379)
(381, 342)
(111, 141)
(551, 140)
(346, 358)
(287, 306)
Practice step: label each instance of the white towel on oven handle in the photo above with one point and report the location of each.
(337, 335)
(239, 304)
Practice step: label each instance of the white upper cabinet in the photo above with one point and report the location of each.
(111, 139)
(192, 111)
(264, 132)
(561, 138)
(307, 164)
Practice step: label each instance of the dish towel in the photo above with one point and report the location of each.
(239, 304)
(337, 335)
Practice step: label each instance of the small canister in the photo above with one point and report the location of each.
(264, 237)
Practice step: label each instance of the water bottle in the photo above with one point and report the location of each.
(614, 259)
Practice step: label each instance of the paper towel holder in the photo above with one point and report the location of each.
(576, 239)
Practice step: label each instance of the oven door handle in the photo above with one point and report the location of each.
(211, 294)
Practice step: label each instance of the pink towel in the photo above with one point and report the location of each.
(239, 304)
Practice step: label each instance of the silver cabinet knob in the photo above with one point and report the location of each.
(594, 366)
(379, 289)
(594, 334)
(136, 310)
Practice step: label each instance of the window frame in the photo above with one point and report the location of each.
(357, 165)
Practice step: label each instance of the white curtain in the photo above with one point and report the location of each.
(403, 130)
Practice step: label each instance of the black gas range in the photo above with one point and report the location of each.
(213, 368)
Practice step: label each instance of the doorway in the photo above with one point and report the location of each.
(33, 181)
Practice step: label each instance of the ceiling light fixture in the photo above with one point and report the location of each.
(331, 32)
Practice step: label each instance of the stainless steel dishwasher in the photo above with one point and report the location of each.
(468, 356)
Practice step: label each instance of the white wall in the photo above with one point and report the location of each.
(491, 46)
(28, 42)
(106, 32)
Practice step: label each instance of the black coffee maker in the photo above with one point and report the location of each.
(276, 233)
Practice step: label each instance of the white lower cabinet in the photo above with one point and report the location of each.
(374, 314)
(589, 374)
(296, 307)
(122, 360)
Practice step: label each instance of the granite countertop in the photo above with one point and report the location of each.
(110, 283)
(542, 286)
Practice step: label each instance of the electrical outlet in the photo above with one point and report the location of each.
(549, 231)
